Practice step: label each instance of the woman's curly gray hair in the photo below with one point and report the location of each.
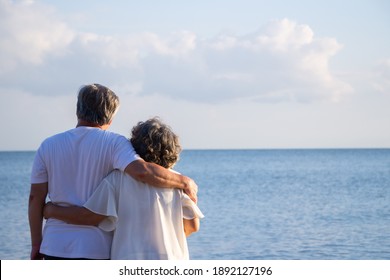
(155, 142)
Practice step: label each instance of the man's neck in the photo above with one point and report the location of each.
(89, 124)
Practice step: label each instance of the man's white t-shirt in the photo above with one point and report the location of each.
(148, 221)
(74, 163)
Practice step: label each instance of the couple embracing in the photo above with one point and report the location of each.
(110, 197)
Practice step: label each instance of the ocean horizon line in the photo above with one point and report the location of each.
(246, 149)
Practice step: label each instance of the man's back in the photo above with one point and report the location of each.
(73, 163)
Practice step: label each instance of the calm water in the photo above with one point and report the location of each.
(259, 204)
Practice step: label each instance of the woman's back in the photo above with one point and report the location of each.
(148, 221)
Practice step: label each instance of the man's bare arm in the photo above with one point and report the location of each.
(73, 215)
(158, 176)
(38, 193)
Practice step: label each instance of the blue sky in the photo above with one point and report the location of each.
(224, 74)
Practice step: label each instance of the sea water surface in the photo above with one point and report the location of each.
(325, 204)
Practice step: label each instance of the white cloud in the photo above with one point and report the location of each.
(285, 35)
(282, 61)
(30, 32)
(285, 61)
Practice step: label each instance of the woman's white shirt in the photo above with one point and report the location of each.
(147, 221)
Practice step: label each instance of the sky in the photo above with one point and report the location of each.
(244, 74)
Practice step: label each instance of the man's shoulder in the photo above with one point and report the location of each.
(93, 130)
(87, 135)
(97, 134)
(111, 135)
(56, 137)
(81, 131)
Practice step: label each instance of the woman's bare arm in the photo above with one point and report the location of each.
(191, 226)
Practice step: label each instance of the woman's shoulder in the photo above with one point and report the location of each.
(118, 177)
(116, 173)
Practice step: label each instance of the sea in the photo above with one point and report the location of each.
(287, 204)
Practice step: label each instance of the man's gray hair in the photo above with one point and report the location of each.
(96, 104)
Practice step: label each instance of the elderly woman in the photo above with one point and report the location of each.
(147, 222)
